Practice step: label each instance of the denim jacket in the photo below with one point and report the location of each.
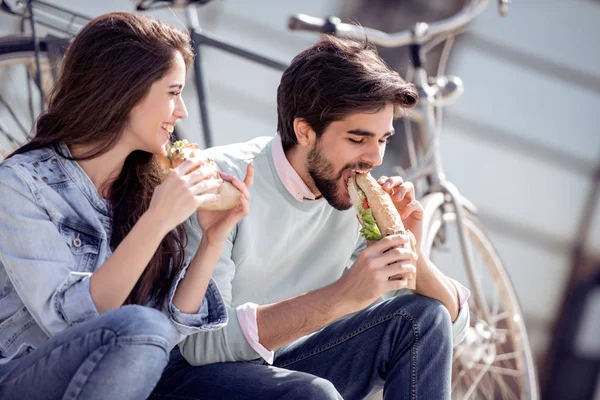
(54, 233)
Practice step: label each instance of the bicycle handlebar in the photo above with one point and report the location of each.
(421, 33)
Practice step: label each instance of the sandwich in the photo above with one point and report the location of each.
(377, 214)
(181, 150)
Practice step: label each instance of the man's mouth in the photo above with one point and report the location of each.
(348, 173)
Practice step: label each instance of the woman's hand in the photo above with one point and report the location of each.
(182, 192)
(216, 225)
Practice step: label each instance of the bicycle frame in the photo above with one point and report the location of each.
(200, 38)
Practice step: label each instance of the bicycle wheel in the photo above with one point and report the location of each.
(495, 360)
(21, 97)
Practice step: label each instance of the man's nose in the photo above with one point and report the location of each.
(374, 155)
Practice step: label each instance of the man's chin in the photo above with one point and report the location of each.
(344, 206)
(341, 202)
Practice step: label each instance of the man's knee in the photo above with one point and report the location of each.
(434, 319)
(313, 388)
(430, 316)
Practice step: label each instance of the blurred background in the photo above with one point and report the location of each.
(522, 143)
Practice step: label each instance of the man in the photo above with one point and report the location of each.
(299, 280)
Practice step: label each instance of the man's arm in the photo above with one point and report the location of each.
(431, 282)
(283, 322)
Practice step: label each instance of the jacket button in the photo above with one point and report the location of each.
(36, 164)
(45, 179)
(77, 242)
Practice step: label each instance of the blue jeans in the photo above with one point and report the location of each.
(403, 346)
(119, 355)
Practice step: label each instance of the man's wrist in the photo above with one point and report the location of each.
(336, 302)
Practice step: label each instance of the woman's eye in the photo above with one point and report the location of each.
(385, 141)
(175, 93)
(361, 141)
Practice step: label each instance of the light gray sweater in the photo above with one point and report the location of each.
(283, 248)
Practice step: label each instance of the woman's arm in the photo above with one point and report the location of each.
(40, 263)
(112, 283)
(216, 226)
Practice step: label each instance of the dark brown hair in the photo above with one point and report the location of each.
(109, 68)
(333, 79)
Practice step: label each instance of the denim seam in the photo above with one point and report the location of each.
(77, 391)
(413, 364)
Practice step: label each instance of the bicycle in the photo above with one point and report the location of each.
(497, 340)
(495, 360)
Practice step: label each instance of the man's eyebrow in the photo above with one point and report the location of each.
(362, 132)
(176, 85)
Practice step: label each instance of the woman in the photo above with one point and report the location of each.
(88, 224)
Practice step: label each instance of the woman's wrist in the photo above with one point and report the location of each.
(209, 241)
(155, 222)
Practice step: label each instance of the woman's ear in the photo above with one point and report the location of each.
(304, 133)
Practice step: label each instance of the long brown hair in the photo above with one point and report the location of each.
(336, 78)
(108, 69)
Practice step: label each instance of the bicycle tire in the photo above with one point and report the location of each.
(527, 385)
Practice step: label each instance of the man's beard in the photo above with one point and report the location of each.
(326, 180)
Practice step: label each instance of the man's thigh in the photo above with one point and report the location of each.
(238, 380)
(355, 353)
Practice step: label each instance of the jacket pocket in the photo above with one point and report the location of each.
(83, 242)
(12, 328)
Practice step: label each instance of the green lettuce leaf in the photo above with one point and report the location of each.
(370, 230)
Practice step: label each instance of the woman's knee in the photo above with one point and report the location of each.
(140, 322)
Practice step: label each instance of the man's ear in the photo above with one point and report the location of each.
(304, 133)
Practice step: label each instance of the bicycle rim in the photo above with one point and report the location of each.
(495, 360)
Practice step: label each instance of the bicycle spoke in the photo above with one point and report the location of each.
(499, 317)
(458, 352)
(506, 356)
(461, 375)
(499, 370)
(489, 388)
(476, 381)
(504, 387)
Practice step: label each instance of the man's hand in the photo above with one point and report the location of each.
(370, 275)
(403, 196)
(431, 282)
